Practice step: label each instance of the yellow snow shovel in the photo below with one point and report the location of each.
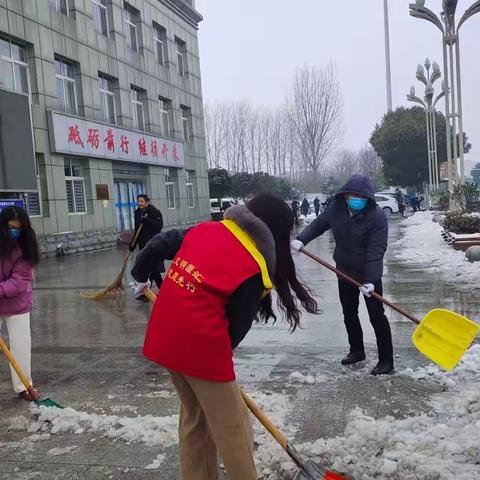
(442, 336)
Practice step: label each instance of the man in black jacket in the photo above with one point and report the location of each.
(152, 223)
(360, 229)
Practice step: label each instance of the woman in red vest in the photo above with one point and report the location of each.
(219, 282)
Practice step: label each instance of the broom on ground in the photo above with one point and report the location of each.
(117, 284)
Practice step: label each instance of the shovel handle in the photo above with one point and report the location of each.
(264, 420)
(14, 364)
(357, 284)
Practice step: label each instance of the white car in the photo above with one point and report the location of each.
(387, 203)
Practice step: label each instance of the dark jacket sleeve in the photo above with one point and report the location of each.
(242, 308)
(319, 226)
(376, 247)
(163, 246)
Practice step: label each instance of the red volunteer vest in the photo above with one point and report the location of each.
(188, 327)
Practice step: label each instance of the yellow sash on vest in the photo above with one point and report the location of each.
(244, 238)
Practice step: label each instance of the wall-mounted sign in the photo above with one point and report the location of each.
(17, 151)
(78, 136)
(102, 191)
(11, 202)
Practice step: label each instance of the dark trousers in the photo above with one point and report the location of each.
(157, 278)
(349, 298)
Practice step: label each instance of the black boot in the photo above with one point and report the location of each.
(353, 357)
(383, 367)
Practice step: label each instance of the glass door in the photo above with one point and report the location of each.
(126, 192)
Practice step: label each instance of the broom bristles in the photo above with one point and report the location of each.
(115, 287)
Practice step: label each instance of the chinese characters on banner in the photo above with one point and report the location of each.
(72, 135)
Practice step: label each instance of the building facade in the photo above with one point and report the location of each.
(116, 110)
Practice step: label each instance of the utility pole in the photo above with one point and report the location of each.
(387, 56)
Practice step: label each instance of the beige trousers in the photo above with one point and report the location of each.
(18, 327)
(213, 416)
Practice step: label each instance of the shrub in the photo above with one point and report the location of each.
(458, 222)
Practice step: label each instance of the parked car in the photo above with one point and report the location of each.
(217, 206)
(387, 203)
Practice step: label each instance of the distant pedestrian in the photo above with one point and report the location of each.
(19, 254)
(219, 283)
(400, 198)
(295, 207)
(152, 223)
(305, 208)
(316, 206)
(360, 229)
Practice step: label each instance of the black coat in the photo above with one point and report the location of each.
(152, 224)
(360, 238)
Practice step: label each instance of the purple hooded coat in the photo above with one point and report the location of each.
(16, 294)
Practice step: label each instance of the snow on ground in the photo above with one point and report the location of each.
(423, 245)
(301, 378)
(441, 445)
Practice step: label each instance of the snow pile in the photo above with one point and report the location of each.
(156, 462)
(269, 456)
(161, 431)
(300, 378)
(55, 452)
(422, 244)
(443, 445)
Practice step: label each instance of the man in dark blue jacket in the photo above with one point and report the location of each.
(360, 229)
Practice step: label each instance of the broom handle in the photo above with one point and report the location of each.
(133, 242)
(350, 280)
(14, 364)
(252, 406)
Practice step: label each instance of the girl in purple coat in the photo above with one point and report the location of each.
(18, 255)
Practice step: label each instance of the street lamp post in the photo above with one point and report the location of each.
(387, 56)
(429, 103)
(452, 71)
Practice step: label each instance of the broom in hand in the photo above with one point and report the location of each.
(117, 284)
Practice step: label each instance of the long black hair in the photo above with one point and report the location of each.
(278, 216)
(27, 240)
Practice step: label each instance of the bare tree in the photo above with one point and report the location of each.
(315, 110)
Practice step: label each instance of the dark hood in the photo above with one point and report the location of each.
(358, 184)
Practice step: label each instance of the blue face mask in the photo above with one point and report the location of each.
(14, 233)
(357, 204)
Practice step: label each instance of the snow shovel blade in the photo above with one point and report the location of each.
(444, 336)
(48, 402)
(313, 472)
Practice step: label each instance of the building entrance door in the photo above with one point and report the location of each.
(126, 192)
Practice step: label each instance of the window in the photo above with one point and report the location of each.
(100, 16)
(107, 98)
(187, 123)
(60, 6)
(131, 20)
(64, 72)
(181, 56)
(170, 187)
(138, 108)
(190, 184)
(75, 184)
(165, 116)
(13, 66)
(160, 41)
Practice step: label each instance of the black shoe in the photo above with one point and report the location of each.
(383, 367)
(353, 357)
(142, 298)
